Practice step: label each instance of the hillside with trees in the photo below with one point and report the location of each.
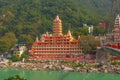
(26, 19)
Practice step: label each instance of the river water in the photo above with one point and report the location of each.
(56, 75)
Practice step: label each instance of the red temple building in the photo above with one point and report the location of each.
(116, 30)
(56, 46)
(116, 33)
(112, 40)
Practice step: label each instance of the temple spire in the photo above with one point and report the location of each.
(37, 40)
(57, 26)
(69, 33)
(117, 20)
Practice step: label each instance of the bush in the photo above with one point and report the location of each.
(17, 57)
(25, 56)
(16, 77)
(116, 63)
(9, 62)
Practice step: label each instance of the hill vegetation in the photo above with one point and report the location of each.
(27, 19)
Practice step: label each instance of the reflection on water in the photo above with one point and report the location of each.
(56, 75)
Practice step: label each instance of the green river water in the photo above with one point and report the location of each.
(56, 75)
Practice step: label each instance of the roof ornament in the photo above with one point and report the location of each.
(37, 40)
(57, 19)
(117, 20)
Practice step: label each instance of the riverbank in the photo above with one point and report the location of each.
(110, 67)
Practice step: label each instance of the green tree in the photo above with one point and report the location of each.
(28, 39)
(7, 42)
(80, 31)
(25, 56)
(98, 30)
(88, 43)
(15, 57)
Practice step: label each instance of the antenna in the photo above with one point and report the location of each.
(119, 6)
(111, 15)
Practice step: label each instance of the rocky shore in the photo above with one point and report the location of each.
(109, 67)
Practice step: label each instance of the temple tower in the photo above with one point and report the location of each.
(57, 27)
(56, 46)
(117, 21)
(116, 30)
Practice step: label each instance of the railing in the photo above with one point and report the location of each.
(113, 50)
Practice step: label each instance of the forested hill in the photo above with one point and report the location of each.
(34, 17)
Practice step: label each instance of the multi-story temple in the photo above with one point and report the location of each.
(112, 40)
(116, 33)
(116, 30)
(56, 46)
